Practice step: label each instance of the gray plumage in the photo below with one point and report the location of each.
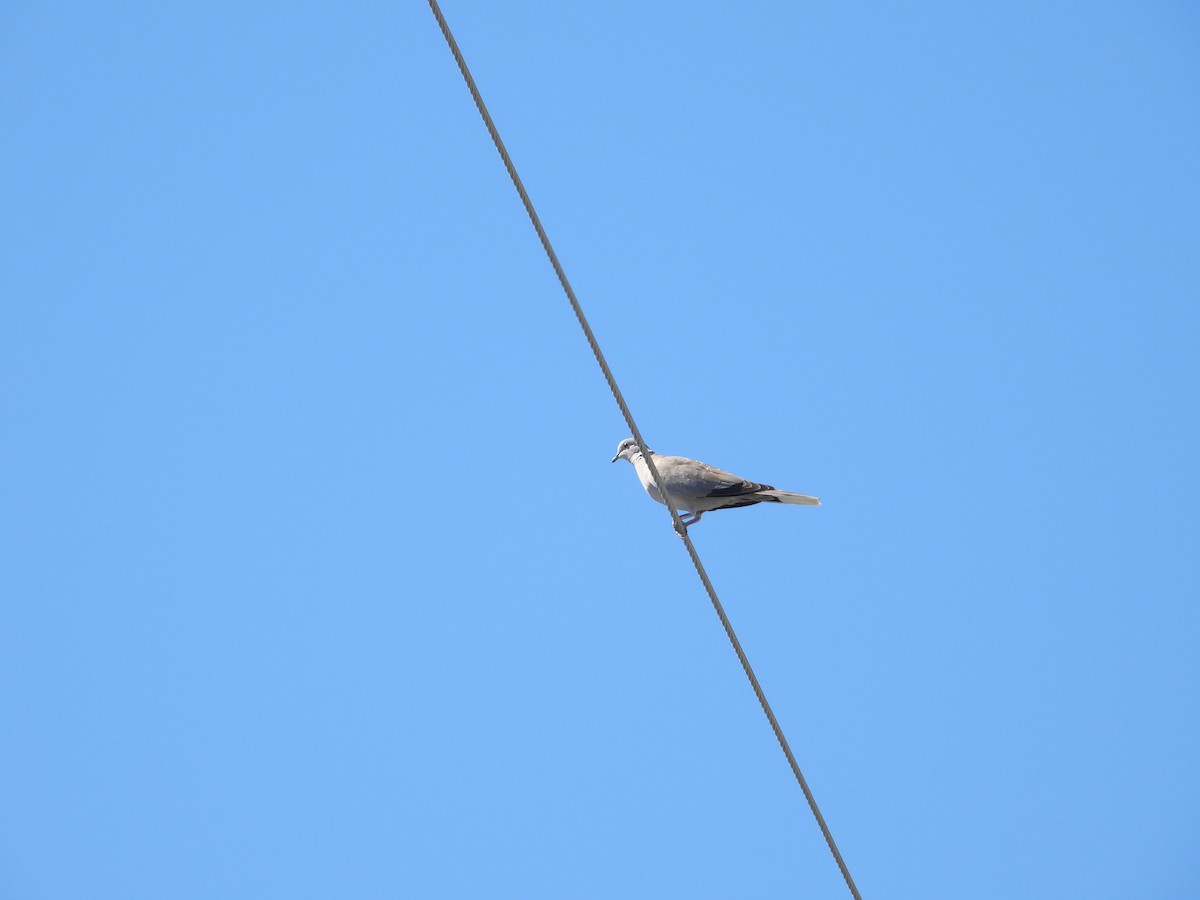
(695, 488)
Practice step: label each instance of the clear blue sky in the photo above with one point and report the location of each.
(317, 581)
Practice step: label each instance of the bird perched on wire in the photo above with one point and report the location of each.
(695, 488)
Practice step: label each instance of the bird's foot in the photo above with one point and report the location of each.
(684, 522)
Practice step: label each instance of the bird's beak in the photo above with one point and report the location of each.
(615, 458)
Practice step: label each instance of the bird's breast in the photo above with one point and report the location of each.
(647, 480)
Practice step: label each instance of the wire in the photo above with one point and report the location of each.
(637, 435)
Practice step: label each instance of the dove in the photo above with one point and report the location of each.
(695, 488)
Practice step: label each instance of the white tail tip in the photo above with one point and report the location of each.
(789, 497)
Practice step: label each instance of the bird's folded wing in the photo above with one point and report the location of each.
(691, 478)
(737, 489)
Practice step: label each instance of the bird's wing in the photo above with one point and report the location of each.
(693, 479)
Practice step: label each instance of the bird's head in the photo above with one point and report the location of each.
(627, 449)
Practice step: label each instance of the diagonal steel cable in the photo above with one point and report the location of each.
(637, 435)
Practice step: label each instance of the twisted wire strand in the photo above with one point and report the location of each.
(637, 435)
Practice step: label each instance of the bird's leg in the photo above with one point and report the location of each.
(685, 521)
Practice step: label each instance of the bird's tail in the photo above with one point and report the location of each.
(789, 497)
